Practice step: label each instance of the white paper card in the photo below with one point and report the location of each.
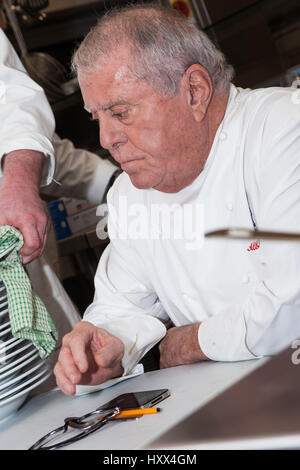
(85, 389)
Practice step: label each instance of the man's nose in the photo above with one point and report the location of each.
(111, 134)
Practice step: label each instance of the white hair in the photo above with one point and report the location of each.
(163, 46)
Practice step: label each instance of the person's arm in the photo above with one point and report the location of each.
(181, 346)
(26, 152)
(20, 203)
(125, 306)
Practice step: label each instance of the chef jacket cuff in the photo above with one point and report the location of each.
(137, 336)
(102, 176)
(38, 143)
(223, 337)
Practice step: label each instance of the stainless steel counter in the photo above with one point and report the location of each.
(191, 387)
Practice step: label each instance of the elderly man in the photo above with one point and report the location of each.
(185, 137)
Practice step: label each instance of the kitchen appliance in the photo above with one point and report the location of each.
(21, 369)
(48, 72)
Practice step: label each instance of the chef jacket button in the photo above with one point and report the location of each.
(223, 136)
(245, 279)
(229, 206)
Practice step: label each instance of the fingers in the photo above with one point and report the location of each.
(72, 360)
(32, 244)
(111, 351)
(35, 233)
(89, 356)
(63, 382)
(27, 213)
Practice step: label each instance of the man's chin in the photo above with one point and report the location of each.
(139, 183)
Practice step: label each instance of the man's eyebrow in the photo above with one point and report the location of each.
(107, 106)
(113, 104)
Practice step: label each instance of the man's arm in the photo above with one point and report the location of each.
(20, 203)
(125, 306)
(27, 126)
(181, 346)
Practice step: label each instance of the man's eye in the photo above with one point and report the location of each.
(120, 115)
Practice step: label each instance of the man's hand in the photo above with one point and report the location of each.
(181, 346)
(20, 203)
(88, 356)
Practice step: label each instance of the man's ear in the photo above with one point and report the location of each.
(199, 90)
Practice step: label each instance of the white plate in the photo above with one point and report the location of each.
(32, 355)
(9, 406)
(6, 379)
(5, 312)
(4, 333)
(4, 304)
(4, 319)
(18, 387)
(4, 344)
(17, 351)
(6, 411)
(5, 325)
(10, 248)
(13, 344)
(8, 344)
(30, 370)
(17, 361)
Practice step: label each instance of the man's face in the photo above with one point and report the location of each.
(152, 137)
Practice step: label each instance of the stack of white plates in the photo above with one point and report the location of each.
(21, 369)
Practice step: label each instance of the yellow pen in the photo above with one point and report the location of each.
(135, 413)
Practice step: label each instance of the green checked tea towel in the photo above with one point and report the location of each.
(28, 316)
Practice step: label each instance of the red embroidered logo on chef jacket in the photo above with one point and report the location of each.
(254, 246)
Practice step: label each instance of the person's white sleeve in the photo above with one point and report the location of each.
(125, 303)
(27, 121)
(269, 319)
(79, 174)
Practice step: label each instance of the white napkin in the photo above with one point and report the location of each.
(85, 389)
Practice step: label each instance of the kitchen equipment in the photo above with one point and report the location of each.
(48, 72)
(21, 368)
(33, 5)
(30, 10)
(241, 233)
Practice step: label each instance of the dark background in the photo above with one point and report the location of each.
(260, 38)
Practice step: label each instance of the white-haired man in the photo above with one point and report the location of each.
(185, 137)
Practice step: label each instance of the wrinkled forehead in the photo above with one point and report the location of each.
(108, 72)
(111, 82)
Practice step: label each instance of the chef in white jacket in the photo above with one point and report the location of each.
(35, 160)
(186, 139)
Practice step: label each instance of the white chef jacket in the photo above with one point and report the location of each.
(26, 118)
(247, 300)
